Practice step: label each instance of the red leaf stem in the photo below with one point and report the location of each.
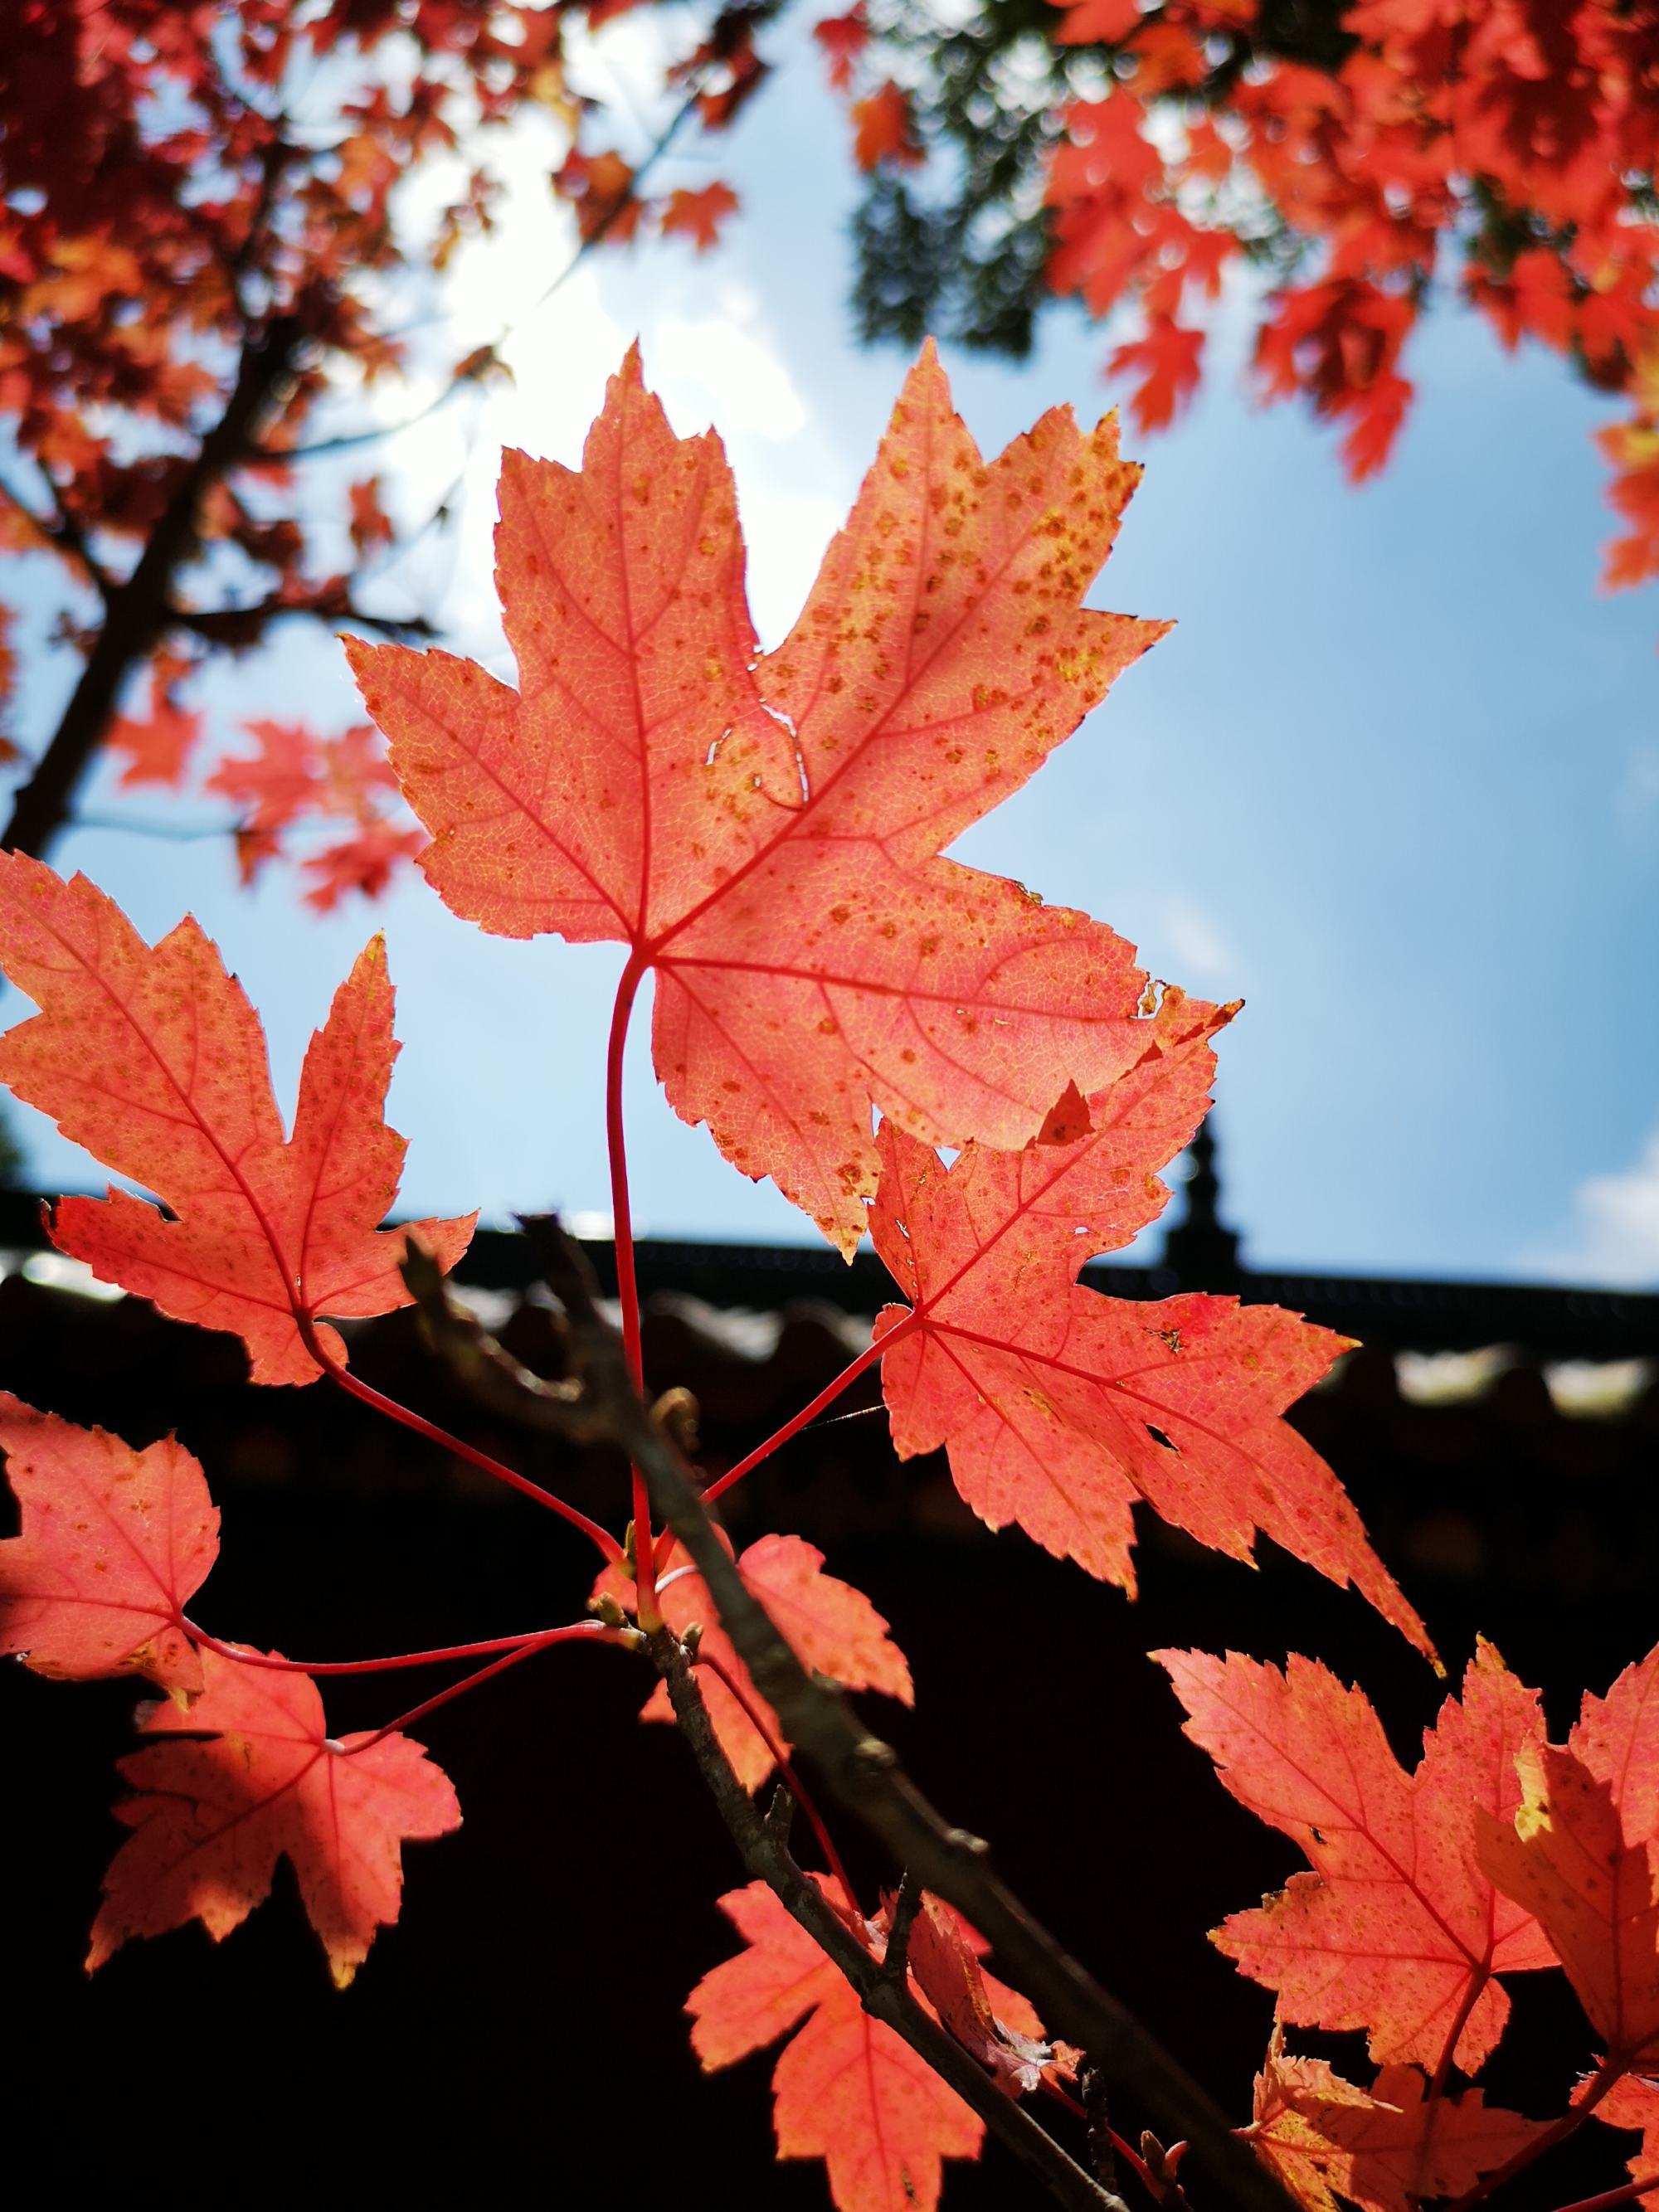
(577, 1631)
(277, 1665)
(368, 1395)
(628, 1288)
(832, 1390)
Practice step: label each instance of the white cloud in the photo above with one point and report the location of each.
(720, 366)
(1617, 1236)
(1640, 795)
(1201, 951)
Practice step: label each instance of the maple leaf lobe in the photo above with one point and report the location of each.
(1581, 1851)
(1384, 2150)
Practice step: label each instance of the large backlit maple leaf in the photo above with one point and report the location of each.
(846, 2089)
(1398, 1928)
(260, 1778)
(831, 1627)
(154, 1060)
(1386, 2148)
(1061, 1407)
(767, 837)
(114, 1542)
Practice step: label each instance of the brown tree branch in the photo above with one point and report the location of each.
(139, 610)
(864, 1774)
(493, 1377)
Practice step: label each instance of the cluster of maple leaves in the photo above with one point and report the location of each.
(182, 188)
(127, 291)
(1355, 158)
(1519, 138)
(293, 781)
(764, 834)
(200, 246)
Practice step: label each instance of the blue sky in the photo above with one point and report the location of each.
(1394, 780)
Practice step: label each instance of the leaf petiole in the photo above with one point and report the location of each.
(628, 1288)
(368, 1395)
(267, 1659)
(577, 1632)
(809, 1413)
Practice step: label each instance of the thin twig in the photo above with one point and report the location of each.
(791, 1781)
(133, 825)
(61, 530)
(245, 626)
(1093, 2087)
(905, 1906)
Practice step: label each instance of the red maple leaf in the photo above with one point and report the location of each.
(296, 771)
(1387, 2149)
(698, 216)
(1170, 359)
(1537, 297)
(157, 750)
(1632, 447)
(884, 129)
(846, 2089)
(1098, 23)
(153, 1059)
(213, 1816)
(114, 1542)
(842, 38)
(363, 862)
(1567, 1859)
(1058, 1406)
(768, 837)
(600, 188)
(278, 783)
(1398, 1930)
(831, 1627)
(1634, 2103)
(371, 525)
